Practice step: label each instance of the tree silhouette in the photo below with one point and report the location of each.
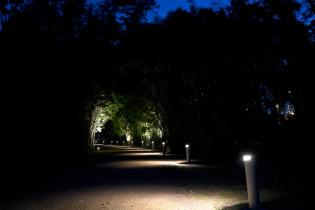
(218, 77)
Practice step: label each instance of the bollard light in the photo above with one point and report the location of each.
(142, 143)
(247, 158)
(187, 153)
(98, 148)
(163, 147)
(251, 183)
(152, 144)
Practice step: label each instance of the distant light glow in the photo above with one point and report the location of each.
(288, 111)
(160, 133)
(247, 158)
(147, 134)
(98, 148)
(128, 137)
(163, 143)
(187, 145)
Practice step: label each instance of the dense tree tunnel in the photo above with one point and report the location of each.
(123, 120)
(155, 100)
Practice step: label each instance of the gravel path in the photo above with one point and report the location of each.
(132, 178)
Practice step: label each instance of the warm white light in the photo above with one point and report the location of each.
(128, 137)
(98, 148)
(163, 143)
(247, 158)
(152, 142)
(187, 145)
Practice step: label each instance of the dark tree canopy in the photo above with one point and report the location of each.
(220, 77)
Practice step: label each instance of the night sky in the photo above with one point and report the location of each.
(166, 6)
(170, 5)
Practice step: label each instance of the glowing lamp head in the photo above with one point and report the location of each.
(152, 142)
(247, 158)
(163, 143)
(187, 145)
(98, 148)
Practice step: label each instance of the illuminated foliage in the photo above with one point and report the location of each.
(130, 117)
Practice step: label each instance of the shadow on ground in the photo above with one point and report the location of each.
(283, 203)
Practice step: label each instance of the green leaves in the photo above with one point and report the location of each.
(131, 116)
